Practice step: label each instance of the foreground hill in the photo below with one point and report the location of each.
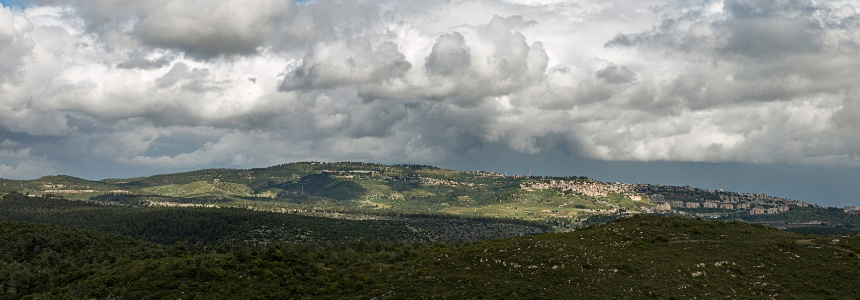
(635, 257)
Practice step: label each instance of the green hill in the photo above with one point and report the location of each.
(372, 190)
(353, 188)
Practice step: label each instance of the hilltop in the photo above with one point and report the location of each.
(326, 189)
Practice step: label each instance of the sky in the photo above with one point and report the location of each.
(759, 96)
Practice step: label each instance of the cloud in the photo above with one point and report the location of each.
(785, 59)
(203, 29)
(16, 162)
(339, 19)
(355, 62)
(468, 65)
(219, 83)
(27, 169)
(7, 143)
(183, 77)
(138, 60)
(210, 28)
(15, 43)
(613, 74)
(449, 55)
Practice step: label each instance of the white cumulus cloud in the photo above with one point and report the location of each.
(225, 83)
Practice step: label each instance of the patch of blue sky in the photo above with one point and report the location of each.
(15, 3)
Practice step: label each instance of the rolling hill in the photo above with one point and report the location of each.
(321, 189)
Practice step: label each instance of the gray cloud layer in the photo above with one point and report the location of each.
(223, 82)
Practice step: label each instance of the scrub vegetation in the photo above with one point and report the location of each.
(632, 257)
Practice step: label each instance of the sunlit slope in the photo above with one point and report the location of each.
(200, 188)
(351, 186)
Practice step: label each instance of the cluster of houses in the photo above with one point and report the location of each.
(769, 211)
(434, 181)
(349, 174)
(498, 175)
(756, 204)
(757, 210)
(718, 195)
(581, 187)
(426, 180)
(852, 209)
(68, 191)
(113, 192)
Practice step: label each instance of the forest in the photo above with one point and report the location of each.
(169, 225)
(631, 257)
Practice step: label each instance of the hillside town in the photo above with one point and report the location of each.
(686, 197)
(590, 188)
(434, 181)
(677, 199)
